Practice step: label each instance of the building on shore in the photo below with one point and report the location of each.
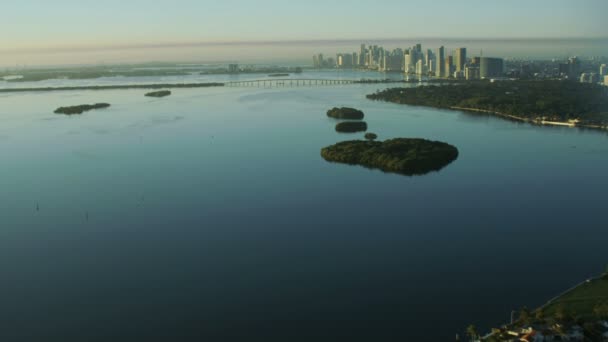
(344, 61)
(471, 72)
(490, 67)
(421, 68)
(449, 66)
(440, 62)
(589, 77)
(233, 68)
(461, 58)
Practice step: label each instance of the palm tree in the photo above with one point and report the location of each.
(472, 332)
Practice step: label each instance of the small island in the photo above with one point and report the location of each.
(160, 93)
(351, 127)
(278, 75)
(80, 109)
(402, 155)
(551, 102)
(345, 113)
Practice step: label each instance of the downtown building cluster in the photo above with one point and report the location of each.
(416, 61)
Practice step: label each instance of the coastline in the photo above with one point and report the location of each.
(114, 87)
(573, 124)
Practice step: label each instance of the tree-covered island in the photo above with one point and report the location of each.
(345, 113)
(160, 93)
(351, 127)
(72, 110)
(403, 156)
(542, 102)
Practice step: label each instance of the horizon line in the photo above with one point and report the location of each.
(160, 45)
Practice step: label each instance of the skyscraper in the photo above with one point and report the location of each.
(490, 67)
(574, 67)
(603, 70)
(362, 55)
(440, 62)
(461, 58)
(420, 68)
(409, 62)
(449, 66)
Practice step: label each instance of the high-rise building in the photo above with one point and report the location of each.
(491, 67)
(606, 81)
(428, 58)
(574, 67)
(449, 66)
(421, 68)
(471, 72)
(344, 60)
(603, 70)
(355, 59)
(440, 62)
(362, 55)
(461, 58)
(409, 67)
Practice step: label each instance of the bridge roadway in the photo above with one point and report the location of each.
(296, 82)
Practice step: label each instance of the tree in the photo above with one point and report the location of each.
(601, 311)
(561, 314)
(371, 136)
(472, 332)
(539, 315)
(525, 316)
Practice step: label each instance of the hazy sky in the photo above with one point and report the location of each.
(31, 28)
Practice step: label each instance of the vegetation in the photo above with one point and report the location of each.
(404, 156)
(278, 75)
(580, 310)
(80, 109)
(371, 136)
(588, 301)
(345, 113)
(115, 87)
(534, 101)
(351, 127)
(161, 93)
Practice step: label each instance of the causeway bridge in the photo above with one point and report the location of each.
(296, 82)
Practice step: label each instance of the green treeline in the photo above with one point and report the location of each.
(532, 100)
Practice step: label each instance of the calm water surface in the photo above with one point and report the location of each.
(210, 215)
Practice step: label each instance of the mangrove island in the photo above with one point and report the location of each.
(161, 93)
(403, 156)
(543, 102)
(80, 109)
(351, 127)
(345, 113)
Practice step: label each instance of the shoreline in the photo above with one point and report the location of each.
(115, 87)
(530, 121)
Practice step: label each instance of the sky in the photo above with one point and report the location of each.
(80, 31)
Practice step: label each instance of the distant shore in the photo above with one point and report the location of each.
(532, 121)
(114, 87)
